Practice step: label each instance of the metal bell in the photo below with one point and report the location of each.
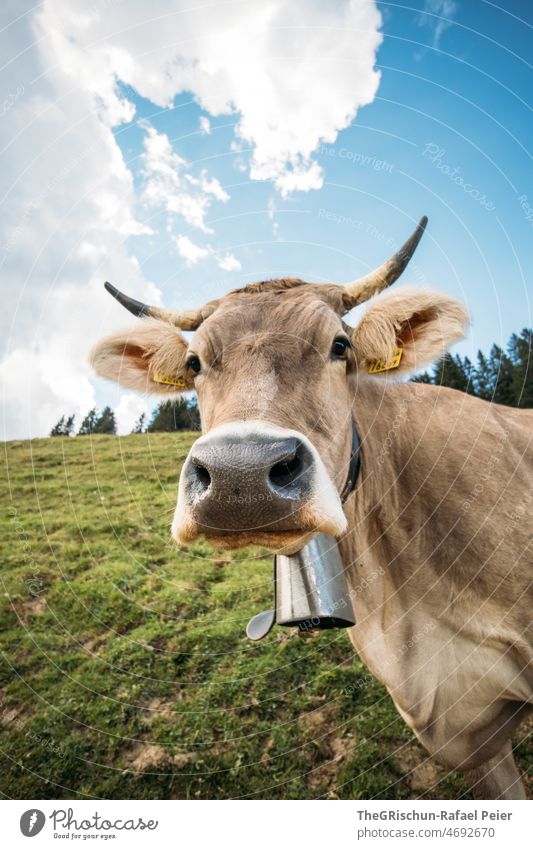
(311, 591)
(311, 587)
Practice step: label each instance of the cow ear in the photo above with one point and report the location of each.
(421, 324)
(149, 357)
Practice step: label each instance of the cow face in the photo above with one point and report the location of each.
(271, 377)
(275, 369)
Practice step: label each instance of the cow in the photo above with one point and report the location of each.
(435, 537)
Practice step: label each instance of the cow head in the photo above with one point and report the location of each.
(273, 365)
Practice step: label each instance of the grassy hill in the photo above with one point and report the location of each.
(125, 669)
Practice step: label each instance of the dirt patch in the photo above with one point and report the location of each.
(319, 721)
(266, 760)
(156, 709)
(335, 749)
(26, 610)
(145, 757)
(36, 606)
(342, 747)
(421, 773)
(326, 740)
(13, 718)
(95, 645)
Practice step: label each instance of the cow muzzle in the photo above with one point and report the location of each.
(255, 483)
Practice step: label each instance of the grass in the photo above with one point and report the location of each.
(126, 672)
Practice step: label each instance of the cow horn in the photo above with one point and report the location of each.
(186, 320)
(362, 289)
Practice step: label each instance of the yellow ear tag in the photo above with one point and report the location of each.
(377, 366)
(168, 381)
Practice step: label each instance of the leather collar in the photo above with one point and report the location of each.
(355, 465)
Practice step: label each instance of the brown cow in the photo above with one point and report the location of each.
(435, 537)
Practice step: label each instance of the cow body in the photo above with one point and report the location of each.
(435, 538)
(439, 558)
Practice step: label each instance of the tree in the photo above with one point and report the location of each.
(483, 378)
(469, 371)
(502, 376)
(140, 424)
(520, 351)
(88, 423)
(106, 422)
(423, 377)
(451, 372)
(64, 426)
(178, 414)
(59, 428)
(69, 425)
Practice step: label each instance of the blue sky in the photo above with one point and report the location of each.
(445, 133)
(458, 107)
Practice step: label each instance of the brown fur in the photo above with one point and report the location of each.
(133, 357)
(278, 285)
(440, 522)
(444, 509)
(422, 323)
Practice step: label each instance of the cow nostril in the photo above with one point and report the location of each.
(202, 475)
(286, 472)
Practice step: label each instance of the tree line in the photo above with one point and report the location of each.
(179, 414)
(504, 377)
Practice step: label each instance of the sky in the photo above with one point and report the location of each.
(182, 149)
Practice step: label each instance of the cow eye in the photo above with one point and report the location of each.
(339, 347)
(194, 364)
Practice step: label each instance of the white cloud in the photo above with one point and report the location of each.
(69, 197)
(271, 215)
(169, 186)
(190, 252)
(229, 262)
(68, 208)
(294, 71)
(302, 177)
(39, 387)
(205, 125)
(128, 411)
(209, 185)
(437, 15)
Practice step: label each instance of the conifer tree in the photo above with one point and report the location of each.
(450, 372)
(69, 425)
(140, 424)
(59, 428)
(88, 423)
(105, 423)
(64, 426)
(502, 373)
(178, 414)
(520, 352)
(483, 378)
(504, 377)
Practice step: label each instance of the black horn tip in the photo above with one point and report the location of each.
(419, 232)
(135, 307)
(406, 252)
(420, 227)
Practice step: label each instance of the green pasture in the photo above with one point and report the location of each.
(126, 672)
